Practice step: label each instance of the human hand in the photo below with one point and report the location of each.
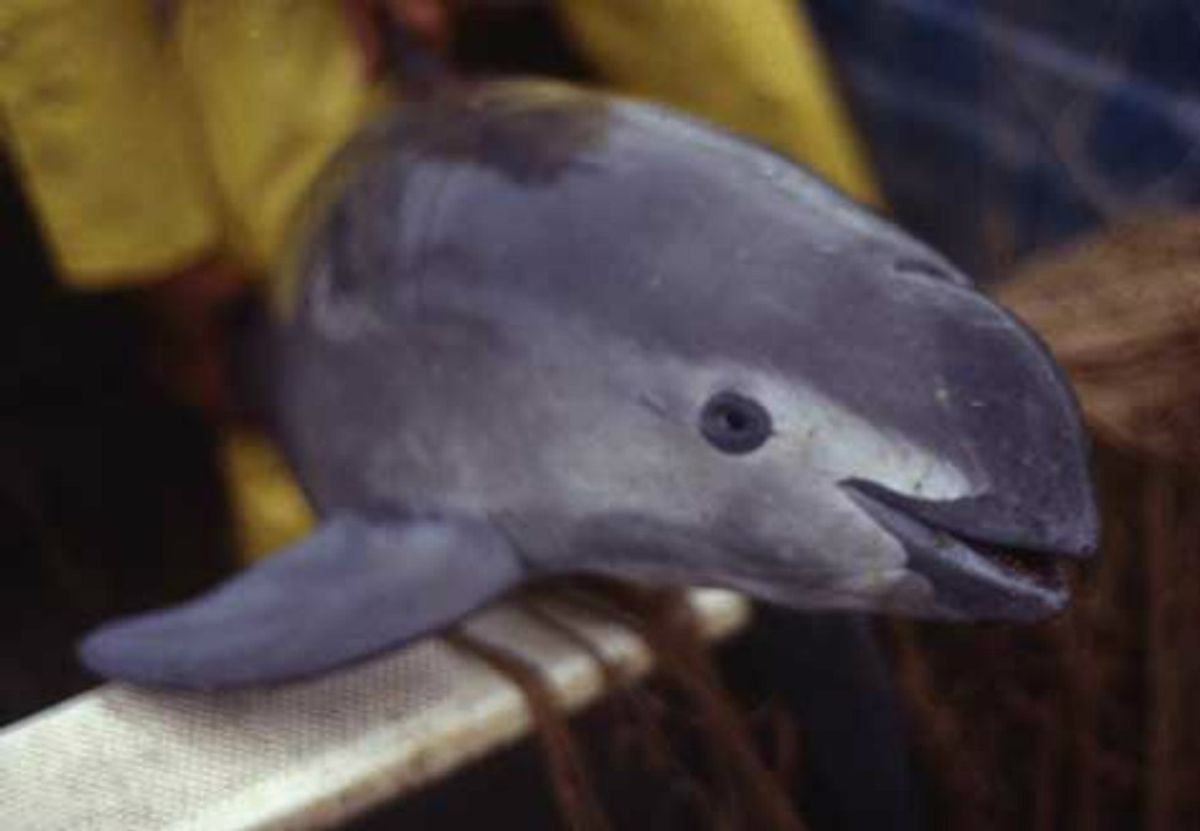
(429, 21)
(187, 315)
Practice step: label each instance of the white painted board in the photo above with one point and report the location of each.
(306, 755)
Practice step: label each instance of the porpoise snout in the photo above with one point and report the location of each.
(1068, 527)
(1007, 418)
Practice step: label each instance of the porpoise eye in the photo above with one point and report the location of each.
(733, 423)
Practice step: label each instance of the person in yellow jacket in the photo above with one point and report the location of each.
(164, 145)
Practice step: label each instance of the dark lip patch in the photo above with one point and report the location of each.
(972, 578)
(992, 519)
(1041, 567)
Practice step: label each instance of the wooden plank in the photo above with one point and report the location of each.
(308, 755)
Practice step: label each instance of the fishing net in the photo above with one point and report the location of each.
(1085, 722)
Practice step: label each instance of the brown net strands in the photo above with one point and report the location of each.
(653, 726)
(568, 771)
(1121, 312)
(1088, 721)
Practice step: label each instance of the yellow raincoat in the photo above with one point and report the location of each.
(151, 133)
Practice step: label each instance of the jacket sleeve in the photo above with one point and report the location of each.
(97, 120)
(753, 66)
(278, 86)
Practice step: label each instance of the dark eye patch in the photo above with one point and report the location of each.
(734, 423)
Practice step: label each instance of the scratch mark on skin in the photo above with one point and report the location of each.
(655, 407)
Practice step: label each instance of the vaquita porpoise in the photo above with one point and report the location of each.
(528, 330)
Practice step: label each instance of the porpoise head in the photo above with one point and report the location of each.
(600, 337)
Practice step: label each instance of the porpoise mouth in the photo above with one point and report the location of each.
(972, 578)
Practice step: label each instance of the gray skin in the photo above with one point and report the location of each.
(504, 315)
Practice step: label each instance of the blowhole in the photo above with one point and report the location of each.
(923, 268)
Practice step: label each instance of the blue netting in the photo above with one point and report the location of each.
(1000, 127)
